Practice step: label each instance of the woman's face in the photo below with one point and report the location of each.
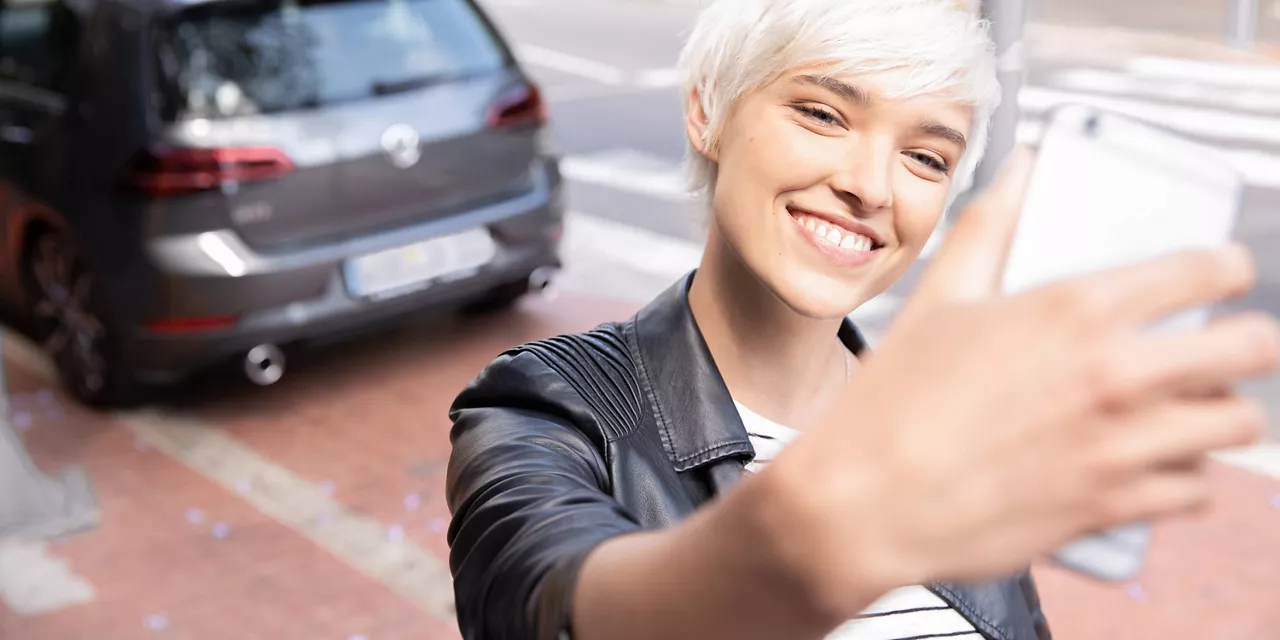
(827, 191)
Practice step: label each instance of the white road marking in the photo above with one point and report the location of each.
(1218, 73)
(1208, 123)
(628, 170)
(592, 239)
(659, 78)
(572, 64)
(33, 582)
(1101, 81)
(359, 541)
(1262, 459)
(1257, 168)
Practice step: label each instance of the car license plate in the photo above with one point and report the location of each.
(413, 267)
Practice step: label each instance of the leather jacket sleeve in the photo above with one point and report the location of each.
(1032, 596)
(527, 487)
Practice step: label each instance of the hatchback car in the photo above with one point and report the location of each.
(185, 181)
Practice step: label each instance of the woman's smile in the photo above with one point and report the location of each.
(841, 239)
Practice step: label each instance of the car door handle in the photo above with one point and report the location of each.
(15, 134)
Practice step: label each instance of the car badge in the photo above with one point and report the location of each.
(402, 145)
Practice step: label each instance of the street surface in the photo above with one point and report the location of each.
(313, 509)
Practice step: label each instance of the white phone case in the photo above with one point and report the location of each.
(1108, 191)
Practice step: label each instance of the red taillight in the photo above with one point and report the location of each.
(520, 107)
(174, 171)
(191, 325)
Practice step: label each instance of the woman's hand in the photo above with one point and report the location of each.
(987, 430)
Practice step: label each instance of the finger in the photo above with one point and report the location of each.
(1155, 289)
(1168, 434)
(1203, 363)
(971, 261)
(1154, 495)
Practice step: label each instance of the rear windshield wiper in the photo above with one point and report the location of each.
(385, 87)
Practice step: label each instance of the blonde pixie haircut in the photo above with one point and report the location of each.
(913, 47)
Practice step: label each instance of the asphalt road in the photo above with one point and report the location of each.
(605, 66)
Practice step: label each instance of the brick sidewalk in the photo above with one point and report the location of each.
(184, 548)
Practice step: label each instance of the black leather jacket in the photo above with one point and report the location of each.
(561, 444)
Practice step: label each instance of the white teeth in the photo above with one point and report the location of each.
(836, 235)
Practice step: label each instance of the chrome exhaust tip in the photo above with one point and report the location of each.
(264, 365)
(541, 278)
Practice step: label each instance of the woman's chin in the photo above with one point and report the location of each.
(819, 300)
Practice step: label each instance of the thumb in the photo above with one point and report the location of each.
(970, 263)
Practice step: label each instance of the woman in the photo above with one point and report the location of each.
(828, 136)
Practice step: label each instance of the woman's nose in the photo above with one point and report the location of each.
(865, 175)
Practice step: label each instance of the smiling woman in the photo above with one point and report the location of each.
(828, 137)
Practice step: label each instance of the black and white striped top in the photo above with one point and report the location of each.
(909, 613)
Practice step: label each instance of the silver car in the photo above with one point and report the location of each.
(186, 182)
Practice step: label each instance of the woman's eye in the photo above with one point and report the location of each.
(818, 113)
(930, 161)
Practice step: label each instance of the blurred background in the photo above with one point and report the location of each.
(250, 250)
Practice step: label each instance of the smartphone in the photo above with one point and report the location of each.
(1109, 191)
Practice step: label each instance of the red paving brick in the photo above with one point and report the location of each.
(370, 416)
(379, 430)
(1215, 576)
(147, 559)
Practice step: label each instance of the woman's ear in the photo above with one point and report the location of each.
(696, 125)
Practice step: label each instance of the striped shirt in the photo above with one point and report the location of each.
(909, 613)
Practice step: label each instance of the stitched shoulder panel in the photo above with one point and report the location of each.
(600, 367)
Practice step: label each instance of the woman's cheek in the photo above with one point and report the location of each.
(917, 211)
(800, 159)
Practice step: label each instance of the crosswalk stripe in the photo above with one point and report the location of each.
(660, 255)
(1256, 168)
(1107, 82)
(629, 171)
(572, 65)
(1208, 123)
(1223, 74)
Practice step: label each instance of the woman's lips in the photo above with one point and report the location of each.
(838, 243)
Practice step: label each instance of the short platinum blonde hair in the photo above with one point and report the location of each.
(913, 47)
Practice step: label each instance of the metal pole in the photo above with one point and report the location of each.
(1007, 18)
(1242, 29)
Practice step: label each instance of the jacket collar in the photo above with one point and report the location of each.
(695, 413)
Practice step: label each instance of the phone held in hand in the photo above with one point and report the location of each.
(1109, 191)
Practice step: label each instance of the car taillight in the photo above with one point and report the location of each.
(520, 107)
(173, 171)
(191, 325)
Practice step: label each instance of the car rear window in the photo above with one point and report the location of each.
(224, 59)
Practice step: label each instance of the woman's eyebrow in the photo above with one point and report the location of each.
(843, 89)
(929, 127)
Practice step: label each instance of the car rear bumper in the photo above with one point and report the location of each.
(300, 296)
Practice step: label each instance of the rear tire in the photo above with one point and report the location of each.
(72, 324)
